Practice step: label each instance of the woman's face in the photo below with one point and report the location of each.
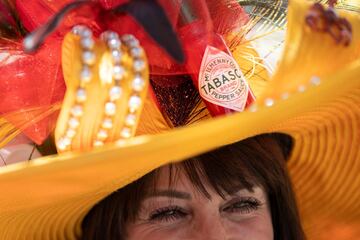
(181, 212)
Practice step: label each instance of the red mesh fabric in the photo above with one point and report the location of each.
(98, 20)
(160, 62)
(227, 15)
(31, 82)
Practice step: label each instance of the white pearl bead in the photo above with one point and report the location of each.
(269, 102)
(110, 109)
(86, 33)
(70, 133)
(63, 143)
(115, 93)
(98, 143)
(118, 72)
(130, 120)
(81, 95)
(133, 43)
(116, 55)
(82, 31)
(134, 103)
(114, 43)
(107, 123)
(77, 111)
(73, 123)
(88, 57)
(87, 43)
(301, 88)
(67, 141)
(102, 134)
(77, 29)
(136, 52)
(315, 80)
(127, 37)
(125, 132)
(138, 84)
(85, 74)
(108, 35)
(139, 65)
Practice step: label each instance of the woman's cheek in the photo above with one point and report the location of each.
(258, 226)
(174, 231)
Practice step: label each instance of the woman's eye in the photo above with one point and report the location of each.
(167, 214)
(243, 206)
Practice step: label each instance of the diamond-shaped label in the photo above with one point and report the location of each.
(221, 81)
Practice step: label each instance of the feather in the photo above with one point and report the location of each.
(150, 14)
(33, 41)
(261, 38)
(180, 102)
(21, 120)
(7, 132)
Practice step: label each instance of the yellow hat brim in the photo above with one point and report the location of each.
(52, 194)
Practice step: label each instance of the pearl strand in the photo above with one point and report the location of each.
(137, 84)
(76, 112)
(115, 92)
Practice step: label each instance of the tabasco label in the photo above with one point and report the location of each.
(221, 81)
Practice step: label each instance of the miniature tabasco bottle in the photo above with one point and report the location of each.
(214, 71)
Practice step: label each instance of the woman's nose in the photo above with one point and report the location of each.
(210, 228)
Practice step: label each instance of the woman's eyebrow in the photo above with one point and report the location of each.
(170, 194)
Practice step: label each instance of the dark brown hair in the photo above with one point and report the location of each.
(259, 160)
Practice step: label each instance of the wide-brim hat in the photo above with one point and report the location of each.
(314, 97)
